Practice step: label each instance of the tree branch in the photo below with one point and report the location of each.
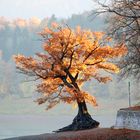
(94, 63)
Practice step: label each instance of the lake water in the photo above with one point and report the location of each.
(20, 125)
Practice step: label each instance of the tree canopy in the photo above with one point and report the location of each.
(70, 58)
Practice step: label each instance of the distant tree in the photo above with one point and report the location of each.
(51, 20)
(70, 58)
(85, 21)
(9, 82)
(123, 18)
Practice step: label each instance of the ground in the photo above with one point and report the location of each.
(91, 134)
(133, 108)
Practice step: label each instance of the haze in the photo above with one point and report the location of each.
(42, 8)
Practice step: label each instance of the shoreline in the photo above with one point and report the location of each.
(91, 134)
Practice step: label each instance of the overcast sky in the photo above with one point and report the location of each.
(43, 8)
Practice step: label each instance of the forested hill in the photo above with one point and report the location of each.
(20, 35)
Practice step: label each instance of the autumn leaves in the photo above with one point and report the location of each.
(70, 58)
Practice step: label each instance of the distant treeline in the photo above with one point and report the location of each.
(20, 35)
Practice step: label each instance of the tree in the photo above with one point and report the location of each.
(124, 20)
(70, 58)
(8, 79)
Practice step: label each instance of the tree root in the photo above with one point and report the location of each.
(80, 122)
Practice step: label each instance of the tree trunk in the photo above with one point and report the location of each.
(82, 121)
(82, 108)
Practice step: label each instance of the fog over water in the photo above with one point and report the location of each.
(20, 125)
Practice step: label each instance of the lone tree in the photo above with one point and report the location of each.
(70, 58)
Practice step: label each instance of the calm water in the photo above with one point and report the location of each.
(19, 125)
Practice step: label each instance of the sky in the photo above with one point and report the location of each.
(43, 8)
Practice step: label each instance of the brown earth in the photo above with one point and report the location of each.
(133, 108)
(92, 134)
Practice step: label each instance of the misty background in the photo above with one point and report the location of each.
(20, 36)
(19, 28)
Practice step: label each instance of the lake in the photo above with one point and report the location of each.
(20, 125)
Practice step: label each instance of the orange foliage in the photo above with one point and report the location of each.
(70, 58)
